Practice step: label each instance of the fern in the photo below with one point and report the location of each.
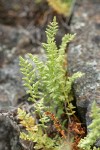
(53, 83)
(27, 120)
(48, 86)
(94, 127)
(35, 133)
(29, 79)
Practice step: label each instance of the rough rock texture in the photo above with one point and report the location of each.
(13, 42)
(84, 56)
(9, 133)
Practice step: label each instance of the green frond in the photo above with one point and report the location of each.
(29, 79)
(65, 40)
(71, 79)
(94, 127)
(51, 31)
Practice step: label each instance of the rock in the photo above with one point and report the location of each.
(84, 56)
(9, 133)
(13, 42)
(10, 85)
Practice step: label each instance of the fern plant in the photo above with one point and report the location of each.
(53, 86)
(35, 133)
(47, 84)
(94, 133)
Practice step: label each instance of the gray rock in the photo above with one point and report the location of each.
(84, 56)
(10, 85)
(13, 42)
(9, 133)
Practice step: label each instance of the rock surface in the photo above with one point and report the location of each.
(84, 56)
(9, 133)
(13, 42)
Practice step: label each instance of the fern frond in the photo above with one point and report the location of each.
(65, 40)
(51, 47)
(94, 127)
(70, 81)
(29, 79)
(27, 121)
